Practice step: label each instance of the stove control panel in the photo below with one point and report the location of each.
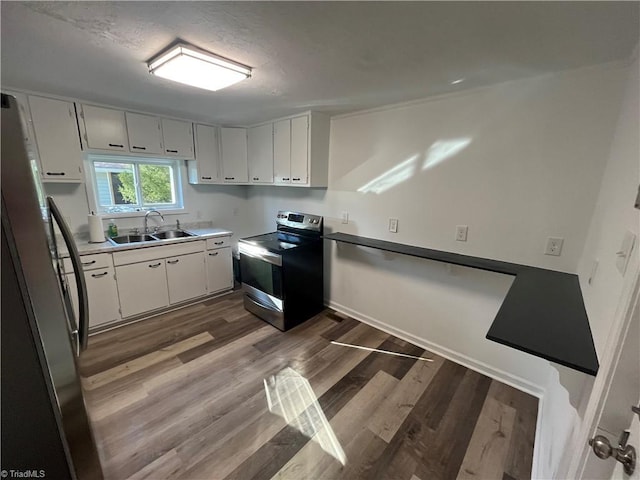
(302, 221)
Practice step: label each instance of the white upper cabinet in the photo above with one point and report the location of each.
(57, 138)
(260, 153)
(206, 167)
(282, 152)
(144, 132)
(104, 128)
(178, 138)
(234, 155)
(300, 150)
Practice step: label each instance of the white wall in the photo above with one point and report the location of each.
(609, 294)
(614, 215)
(525, 162)
(532, 168)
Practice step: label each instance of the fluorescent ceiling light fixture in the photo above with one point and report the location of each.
(192, 66)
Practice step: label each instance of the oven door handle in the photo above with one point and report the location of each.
(260, 304)
(263, 255)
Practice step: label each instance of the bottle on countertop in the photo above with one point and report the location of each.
(112, 230)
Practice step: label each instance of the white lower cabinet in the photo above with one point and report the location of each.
(142, 287)
(103, 296)
(102, 291)
(152, 278)
(186, 277)
(219, 270)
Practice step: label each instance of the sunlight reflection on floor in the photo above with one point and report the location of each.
(290, 396)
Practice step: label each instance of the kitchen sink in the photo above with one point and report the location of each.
(137, 238)
(122, 239)
(172, 234)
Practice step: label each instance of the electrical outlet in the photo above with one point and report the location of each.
(393, 225)
(554, 246)
(345, 217)
(461, 233)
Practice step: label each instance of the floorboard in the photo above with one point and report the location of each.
(210, 392)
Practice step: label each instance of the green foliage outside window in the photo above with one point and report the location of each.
(155, 184)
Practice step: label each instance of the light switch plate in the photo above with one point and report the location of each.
(393, 225)
(461, 233)
(624, 254)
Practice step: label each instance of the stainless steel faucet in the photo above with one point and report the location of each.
(146, 219)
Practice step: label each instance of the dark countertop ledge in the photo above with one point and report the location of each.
(542, 314)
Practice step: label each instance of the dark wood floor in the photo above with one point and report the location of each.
(211, 392)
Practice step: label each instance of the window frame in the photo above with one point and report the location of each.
(176, 166)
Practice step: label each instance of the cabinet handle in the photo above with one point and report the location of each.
(172, 151)
(116, 145)
(139, 148)
(296, 179)
(229, 178)
(206, 178)
(98, 275)
(256, 178)
(55, 173)
(285, 179)
(173, 262)
(219, 243)
(88, 263)
(155, 265)
(214, 254)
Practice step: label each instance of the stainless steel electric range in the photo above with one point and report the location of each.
(282, 271)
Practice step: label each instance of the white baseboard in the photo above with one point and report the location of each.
(480, 367)
(470, 363)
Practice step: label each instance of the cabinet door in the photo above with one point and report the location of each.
(142, 287)
(178, 138)
(219, 270)
(300, 150)
(104, 306)
(186, 277)
(206, 167)
(260, 153)
(144, 133)
(234, 155)
(72, 285)
(58, 140)
(282, 151)
(105, 128)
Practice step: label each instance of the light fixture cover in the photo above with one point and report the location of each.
(192, 66)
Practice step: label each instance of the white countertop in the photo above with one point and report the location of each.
(85, 247)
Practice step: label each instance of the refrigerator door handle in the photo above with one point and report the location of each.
(83, 300)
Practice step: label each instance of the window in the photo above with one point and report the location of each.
(126, 184)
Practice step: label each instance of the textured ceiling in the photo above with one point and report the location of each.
(335, 57)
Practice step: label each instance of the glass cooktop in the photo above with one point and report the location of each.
(275, 241)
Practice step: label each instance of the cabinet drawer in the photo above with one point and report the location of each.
(90, 262)
(218, 242)
(152, 253)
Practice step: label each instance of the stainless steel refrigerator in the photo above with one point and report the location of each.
(45, 426)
